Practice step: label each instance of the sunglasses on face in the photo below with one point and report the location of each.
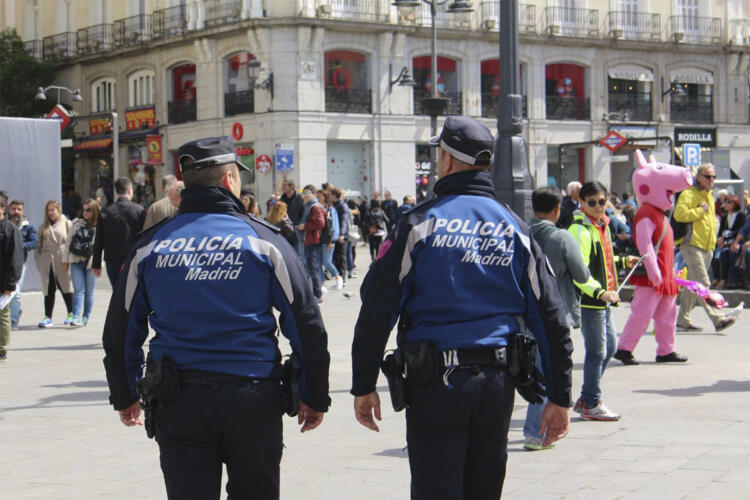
(86, 210)
(709, 176)
(593, 203)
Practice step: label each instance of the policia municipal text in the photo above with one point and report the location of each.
(464, 309)
(214, 388)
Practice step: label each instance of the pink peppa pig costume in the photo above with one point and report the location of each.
(654, 297)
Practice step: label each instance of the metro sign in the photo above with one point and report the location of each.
(613, 141)
(59, 113)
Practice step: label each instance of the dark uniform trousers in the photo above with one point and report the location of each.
(339, 258)
(458, 436)
(237, 422)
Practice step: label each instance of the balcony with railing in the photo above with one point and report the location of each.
(443, 18)
(634, 25)
(695, 109)
(491, 105)
(59, 47)
(455, 104)
(567, 21)
(359, 10)
(568, 108)
(490, 12)
(169, 22)
(239, 102)
(220, 12)
(181, 111)
(348, 100)
(738, 32)
(635, 107)
(132, 30)
(33, 48)
(94, 39)
(694, 29)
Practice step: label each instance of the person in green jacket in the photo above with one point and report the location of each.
(590, 229)
(696, 207)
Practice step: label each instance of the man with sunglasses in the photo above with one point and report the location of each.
(696, 207)
(207, 280)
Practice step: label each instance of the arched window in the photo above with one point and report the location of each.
(182, 96)
(448, 83)
(103, 95)
(566, 92)
(239, 94)
(490, 82)
(347, 82)
(629, 93)
(141, 88)
(691, 95)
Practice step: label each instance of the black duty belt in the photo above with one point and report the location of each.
(488, 356)
(204, 377)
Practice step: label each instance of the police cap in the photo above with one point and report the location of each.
(208, 152)
(464, 138)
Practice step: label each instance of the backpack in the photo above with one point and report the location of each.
(82, 242)
(326, 234)
(678, 228)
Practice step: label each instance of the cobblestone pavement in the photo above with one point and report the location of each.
(684, 431)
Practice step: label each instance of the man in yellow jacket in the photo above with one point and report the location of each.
(696, 207)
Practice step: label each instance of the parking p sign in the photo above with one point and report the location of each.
(691, 155)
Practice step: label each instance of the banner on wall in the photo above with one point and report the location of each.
(153, 144)
(136, 119)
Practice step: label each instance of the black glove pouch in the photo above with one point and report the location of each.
(422, 362)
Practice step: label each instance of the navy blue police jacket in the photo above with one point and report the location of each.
(462, 268)
(208, 280)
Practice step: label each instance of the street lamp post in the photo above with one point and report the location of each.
(435, 105)
(41, 93)
(510, 169)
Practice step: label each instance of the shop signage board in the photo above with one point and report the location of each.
(691, 155)
(613, 141)
(284, 157)
(136, 119)
(59, 113)
(705, 137)
(153, 144)
(263, 164)
(99, 126)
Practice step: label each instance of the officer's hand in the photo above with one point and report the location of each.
(309, 417)
(131, 416)
(610, 296)
(363, 410)
(555, 423)
(97, 272)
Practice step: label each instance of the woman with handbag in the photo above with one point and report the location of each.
(53, 235)
(726, 274)
(77, 257)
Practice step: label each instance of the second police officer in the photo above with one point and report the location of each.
(207, 281)
(460, 275)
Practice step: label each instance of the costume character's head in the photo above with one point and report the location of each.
(655, 183)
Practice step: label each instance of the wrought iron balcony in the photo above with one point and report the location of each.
(443, 19)
(348, 100)
(239, 102)
(33, 48)
(132, 30)
(59, 47)
(169, 22)
(526, 17)
(695, 29)
(181, 111)
(220, 12)
(697, 109)
(491, 106)
(738, 32)
(634, 25)
(568, 108)
(455, 105)
(571, 22)
(631, 107)
(94, 39)
(359, 10)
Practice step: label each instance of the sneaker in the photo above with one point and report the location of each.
(689, 328)
(46, 323)
(578, 406)
(535, 444)
(725, 323)
(323, 289)
(85, 320)
(353, 275)
(672, 357)
(599, 413)
(339, 282)
(68, 319)
(626, 357)
(76, 321)
(3, 357)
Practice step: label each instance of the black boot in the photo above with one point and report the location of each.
(626, 357)
(672, 357)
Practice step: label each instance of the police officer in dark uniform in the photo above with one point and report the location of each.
(206, 281)
(460, 275)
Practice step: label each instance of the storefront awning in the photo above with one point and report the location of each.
(93, 144)
(136, 135)
(631, 72)
(692, 75)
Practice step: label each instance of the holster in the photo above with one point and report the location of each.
(393, 369)
(522, 355)
(291, 371)
(160, 384)
(422, 362)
